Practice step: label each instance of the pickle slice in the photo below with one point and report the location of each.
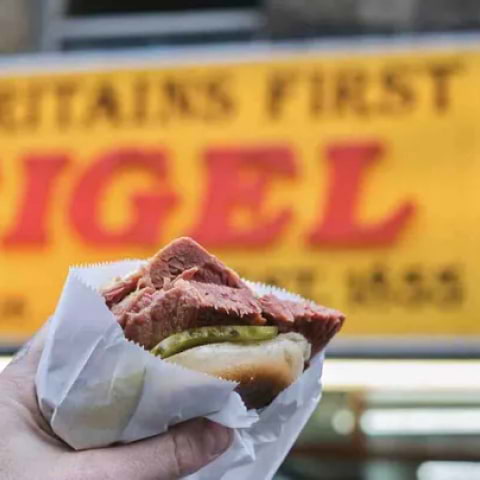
(195, 337)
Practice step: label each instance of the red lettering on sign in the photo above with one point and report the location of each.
(150, 208)
(41, 172)
(238, 180)
(339, 226)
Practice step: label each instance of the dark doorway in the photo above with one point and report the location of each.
(94, 7)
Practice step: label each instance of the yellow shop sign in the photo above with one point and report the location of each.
(351, 179)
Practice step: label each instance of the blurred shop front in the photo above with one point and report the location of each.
(345, 170)
(398, 420)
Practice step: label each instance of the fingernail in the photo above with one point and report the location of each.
(217, 438)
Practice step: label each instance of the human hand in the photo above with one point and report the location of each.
(29, 450)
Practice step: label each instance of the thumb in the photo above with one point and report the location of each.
(184, 449)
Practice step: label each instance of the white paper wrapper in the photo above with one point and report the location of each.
(96, 388)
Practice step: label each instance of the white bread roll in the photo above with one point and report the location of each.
(262, 369)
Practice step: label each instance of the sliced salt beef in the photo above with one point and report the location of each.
(133, 303)
(189, 275)
(120, 288)
(183, 254)
(316, 323)
(183, 286)
(319, 331)
(190, 304)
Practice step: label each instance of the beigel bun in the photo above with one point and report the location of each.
(262, 369)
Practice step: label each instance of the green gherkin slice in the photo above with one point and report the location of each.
(195, 337)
